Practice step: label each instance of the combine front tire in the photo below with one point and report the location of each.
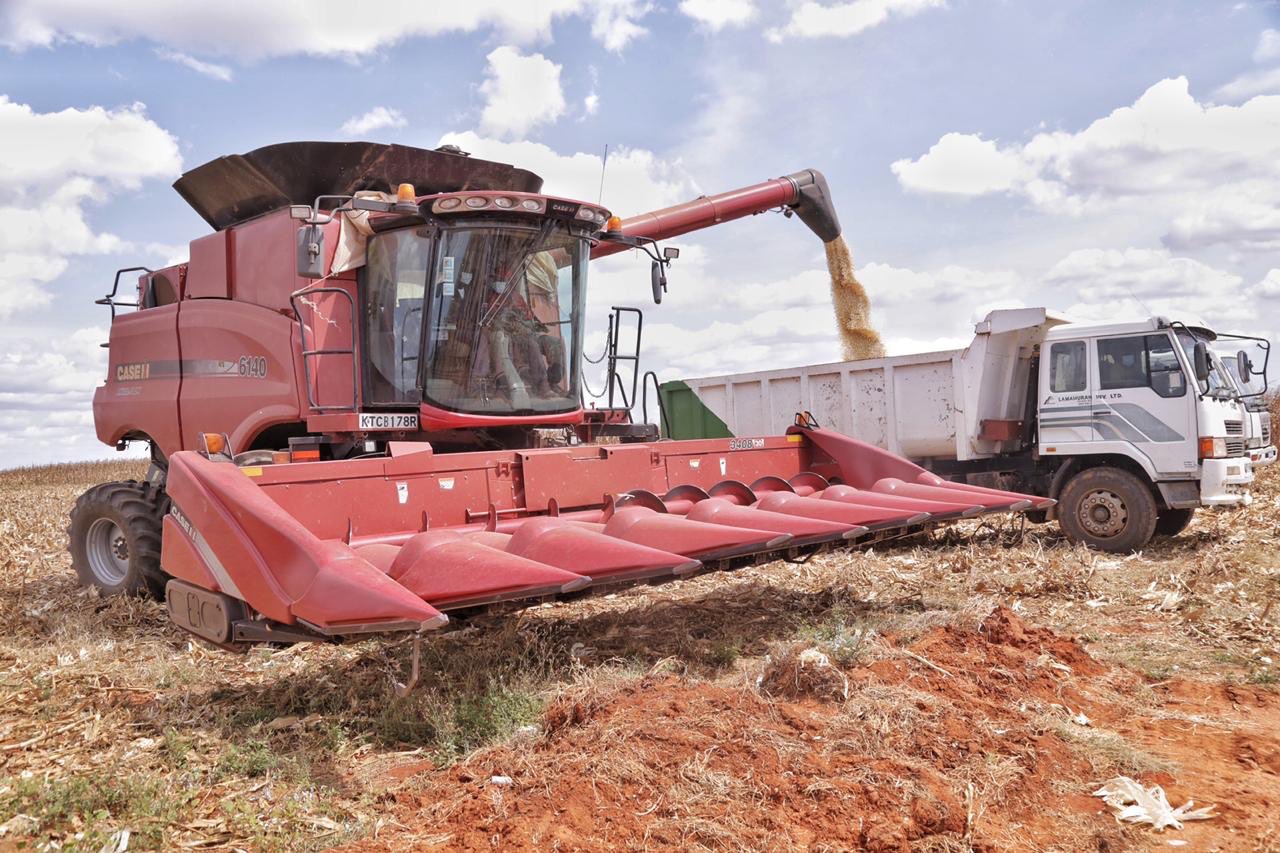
(1108, 509)
(115, 539)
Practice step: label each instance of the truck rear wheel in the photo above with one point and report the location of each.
(1171, 522)
(114, 539)
(1108, 509)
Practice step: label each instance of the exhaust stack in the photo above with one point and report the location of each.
(804, 192)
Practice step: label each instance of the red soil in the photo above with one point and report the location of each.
(966, 740)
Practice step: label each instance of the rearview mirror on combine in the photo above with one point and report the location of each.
(300, 211)
(1200, 360)
(658, 279)
(310, 251)
(671, 253)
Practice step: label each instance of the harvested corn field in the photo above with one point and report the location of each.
(967, 694)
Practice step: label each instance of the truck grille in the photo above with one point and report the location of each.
(1235, 427)
(1235, 447)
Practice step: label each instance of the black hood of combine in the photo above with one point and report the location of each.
(241, 186)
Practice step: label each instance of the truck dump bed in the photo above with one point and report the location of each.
(953, 404)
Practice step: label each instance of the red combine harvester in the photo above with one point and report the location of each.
(349, 388)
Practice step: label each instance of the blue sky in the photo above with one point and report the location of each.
(1097, 157)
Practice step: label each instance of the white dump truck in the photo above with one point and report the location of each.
(1131, 426)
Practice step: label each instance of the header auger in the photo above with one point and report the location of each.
(348, 392)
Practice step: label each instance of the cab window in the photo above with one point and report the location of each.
(1067, 367)
(1140, 361)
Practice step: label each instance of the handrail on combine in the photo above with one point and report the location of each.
(308, 354)
(110, 299)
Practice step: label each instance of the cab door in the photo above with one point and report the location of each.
(1142, 399)
(1065, 407)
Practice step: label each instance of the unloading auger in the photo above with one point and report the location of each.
(348, 389)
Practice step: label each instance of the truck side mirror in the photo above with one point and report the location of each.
(1244, 365)
(311, 251)
(1200, 361)
(658, 280)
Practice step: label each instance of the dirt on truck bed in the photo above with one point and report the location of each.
(966, 692)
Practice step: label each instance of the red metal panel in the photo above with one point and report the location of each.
(208, 272)
(265, 262)
(238, 370)
(140, 395)
(178, 557)
(578, 478)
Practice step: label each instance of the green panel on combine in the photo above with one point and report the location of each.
(687, 416)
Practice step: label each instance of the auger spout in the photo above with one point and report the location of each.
(804, 192)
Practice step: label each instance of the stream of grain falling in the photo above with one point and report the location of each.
(853, 308)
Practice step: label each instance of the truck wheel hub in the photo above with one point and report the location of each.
(1103, 513)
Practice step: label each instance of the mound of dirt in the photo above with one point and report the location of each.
(962, 737)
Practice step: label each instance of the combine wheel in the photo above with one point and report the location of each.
(1171, 522)
(114, 539)
(1108, 509)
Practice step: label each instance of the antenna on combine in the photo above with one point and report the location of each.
(603, 165)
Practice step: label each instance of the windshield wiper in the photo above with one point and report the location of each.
(539, 241)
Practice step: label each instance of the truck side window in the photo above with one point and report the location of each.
(1141, 361)
(1067, 367)
(1167, 378)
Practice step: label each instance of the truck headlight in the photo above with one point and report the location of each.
(1213, 448)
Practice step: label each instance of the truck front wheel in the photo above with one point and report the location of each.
(1173, 521)
(1108, 509)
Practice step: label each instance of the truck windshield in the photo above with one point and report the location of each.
(1218, 384)
(491, 330)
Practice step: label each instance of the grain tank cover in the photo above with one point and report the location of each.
(241, 186)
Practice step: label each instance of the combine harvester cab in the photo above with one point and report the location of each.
(323, 550)
(363, 395)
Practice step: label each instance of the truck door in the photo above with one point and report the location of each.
(1065, 409)
(1142, 400)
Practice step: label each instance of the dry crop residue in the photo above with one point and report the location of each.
(964, 737)
(112, 720)
(852, 305)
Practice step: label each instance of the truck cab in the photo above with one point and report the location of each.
(1258, 441)
(1151, 392)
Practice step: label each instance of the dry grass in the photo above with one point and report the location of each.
(110, 719)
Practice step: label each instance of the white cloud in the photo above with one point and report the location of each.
(52, 165)
(815, 20)
(1110, 284)
(591, 104)
(1207, 168)
(637, 180)
(521, 92)
(1250, 84)
(46, 392)
(718, 14)
(208, 69)
(613, 22)
(962, 164)
(1268, 46)
(378, 118)
(253, 30)
(1269, 287)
